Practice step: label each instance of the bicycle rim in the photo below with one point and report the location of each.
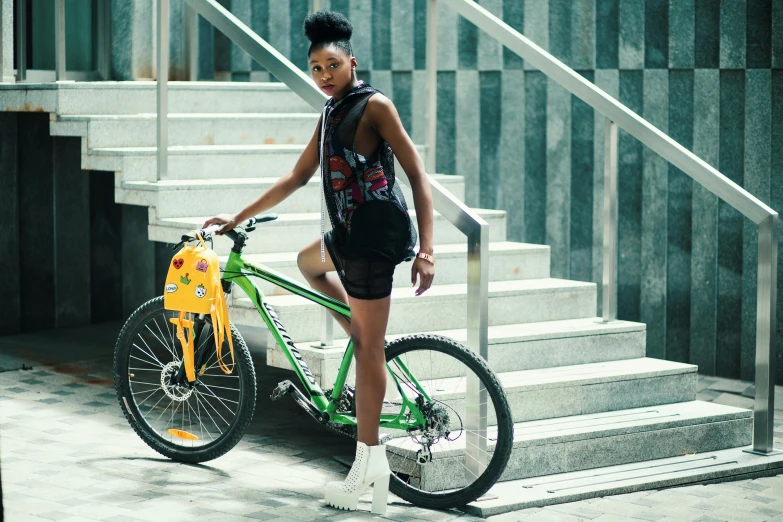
(181, 417)
(448, 461)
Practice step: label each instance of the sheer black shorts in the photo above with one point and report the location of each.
(364, 277)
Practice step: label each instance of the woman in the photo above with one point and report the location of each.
(371, 230)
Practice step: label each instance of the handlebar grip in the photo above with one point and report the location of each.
(261, 218)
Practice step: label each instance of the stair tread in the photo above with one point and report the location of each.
(496, 288)
(144, 116)
(445, 250)
(187, 223)
(151, 86)
(509, 333)
(642, 475)
(182, 184)
(199, 149)
(596, 425)
(591, 373)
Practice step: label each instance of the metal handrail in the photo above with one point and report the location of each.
(619, 115)
(455, 211)
(21, 40)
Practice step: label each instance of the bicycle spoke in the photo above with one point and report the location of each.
(215, 396)
(145, 398)
(150, 355)
(204, 404)
(224, 388)
(214, 409)
(168, 348)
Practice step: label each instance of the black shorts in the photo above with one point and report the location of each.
(364, 277)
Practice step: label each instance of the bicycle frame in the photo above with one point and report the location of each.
(237, 270)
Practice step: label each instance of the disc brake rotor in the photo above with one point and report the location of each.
(175, 392)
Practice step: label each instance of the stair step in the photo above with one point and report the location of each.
(581, 389)
(581, 442)
(507, 261)
(195, 161)
(135, 97)
(139, 130)
(200, 161)
(178, 198)
(511, 347)
(444, 306)
(292, 232)
(707, 467)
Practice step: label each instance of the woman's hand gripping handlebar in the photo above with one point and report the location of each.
(225, 224)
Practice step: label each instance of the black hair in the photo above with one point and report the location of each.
(328, 27)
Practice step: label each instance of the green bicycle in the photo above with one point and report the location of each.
(435, 386)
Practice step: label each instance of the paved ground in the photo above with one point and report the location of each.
(68, 454)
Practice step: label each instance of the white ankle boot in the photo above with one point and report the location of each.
(369, 467)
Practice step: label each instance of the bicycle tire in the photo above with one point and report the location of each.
(122, 381)
(503, 416)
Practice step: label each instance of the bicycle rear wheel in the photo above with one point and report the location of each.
(193, 422)
(445, 462)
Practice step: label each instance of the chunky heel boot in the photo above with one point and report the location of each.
(369, 468)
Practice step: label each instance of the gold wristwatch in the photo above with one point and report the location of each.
(426, 257)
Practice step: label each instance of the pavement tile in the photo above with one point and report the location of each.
(761, 498)
(768, 511)
(261, 515)
(576, 510)
(754, 485)
(548, 515)
(608, 505)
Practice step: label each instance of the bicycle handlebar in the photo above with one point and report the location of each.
(206, 233)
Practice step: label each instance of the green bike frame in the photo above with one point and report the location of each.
(238, 271)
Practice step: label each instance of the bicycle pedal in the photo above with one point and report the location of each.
(283, 389)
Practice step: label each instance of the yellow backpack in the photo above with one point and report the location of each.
(193, 287)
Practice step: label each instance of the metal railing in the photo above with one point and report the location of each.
(455, 211)
(59, 40)
(618, 115)
(102, 36)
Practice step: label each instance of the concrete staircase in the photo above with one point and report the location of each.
(584, 396)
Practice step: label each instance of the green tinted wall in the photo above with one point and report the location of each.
(707, 72)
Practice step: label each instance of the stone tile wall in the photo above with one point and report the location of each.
(707, 72)
(70, 255)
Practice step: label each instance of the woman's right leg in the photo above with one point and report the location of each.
(316, 272)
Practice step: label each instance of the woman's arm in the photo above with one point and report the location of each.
(383, 117)
(304, 169)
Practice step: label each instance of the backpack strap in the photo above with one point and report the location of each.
(187, 344)
(221, 328)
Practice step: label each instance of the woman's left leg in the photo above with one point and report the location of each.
(369, 319)
(368, 326)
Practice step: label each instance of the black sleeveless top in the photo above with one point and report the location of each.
(366, 207)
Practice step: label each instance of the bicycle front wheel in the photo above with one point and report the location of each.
(448, 460)
(187, 422)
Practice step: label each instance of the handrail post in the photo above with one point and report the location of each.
(315, 5)
(191, 42)
(327, 329)
(478, 341)
(609, 307)
(59, 40)
(21, 40)
(432, 86)
(766, 315)
(162, 85)
(6, 41)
